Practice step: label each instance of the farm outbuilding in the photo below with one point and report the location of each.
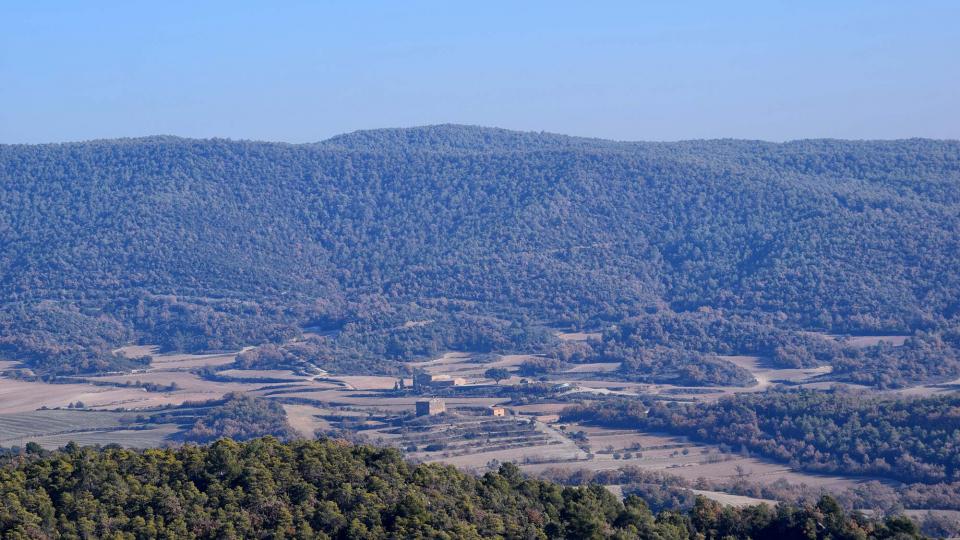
(428, 380)
(431, 407)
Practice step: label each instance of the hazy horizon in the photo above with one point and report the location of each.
(304, 73)
(477, 126)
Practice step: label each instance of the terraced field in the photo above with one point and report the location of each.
(468, 436)
(470, 441)
(55, 428)
(150, 437)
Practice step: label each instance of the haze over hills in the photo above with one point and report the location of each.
(216, 244)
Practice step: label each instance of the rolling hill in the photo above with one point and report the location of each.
(214, 244)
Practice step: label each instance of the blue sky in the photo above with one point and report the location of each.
(304, 71)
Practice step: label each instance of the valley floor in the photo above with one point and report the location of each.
(115, 409)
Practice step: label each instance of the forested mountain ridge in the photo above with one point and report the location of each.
(218, 244)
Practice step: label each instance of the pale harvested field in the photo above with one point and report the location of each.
(827, 385)
(20, 427)
(766, 472)
(579, 389)
(137, 351)
(366, 382)
(766, 374)
(599, 367)
(665, 452)
(470, 371)
(176, 361)
(459, 364)
(146, 400)
(303, 385)
(627, 436)
(170, 362)
(510, 360)
(284, 374)
(190, 388)
(345, 413)
(540, 408)
(616, 489)
(362, 399)
(627, 388)
(579, 336)
(455, 364)
(623, 440)
(727, 499)
(864, 341)
(561, 448)
(415, 324)
(186, 381)
(132, 438)
(927, 390)
(920, 514)
(517, 455)
(869, 341)
(53, 429)
(691, 467)
(617, 386)
(305, 419)
(657, 458)
(543, 412)
(322, 394)
(22, 396)
(445, 358)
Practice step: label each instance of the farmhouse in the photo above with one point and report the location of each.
(497, 411)
(431, 407)
(428, 380)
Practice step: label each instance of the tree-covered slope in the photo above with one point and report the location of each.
(909, 439)
(214, 243)
(329, 489)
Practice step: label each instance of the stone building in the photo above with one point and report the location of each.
(431, 407)
(427, 380)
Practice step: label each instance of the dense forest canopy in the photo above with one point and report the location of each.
(241, 417)
(910, 439)
(329, 489)
(217, 244)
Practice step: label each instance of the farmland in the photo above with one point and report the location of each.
(55, 428)
(114, 409)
